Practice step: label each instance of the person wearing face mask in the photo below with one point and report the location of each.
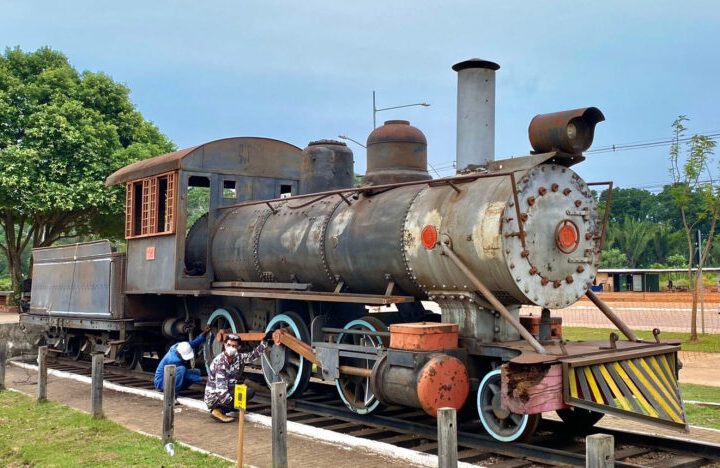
(225, 372)
(180, 355)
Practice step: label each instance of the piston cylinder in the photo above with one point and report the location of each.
(421, 380)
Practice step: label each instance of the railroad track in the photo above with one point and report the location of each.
(415, 430)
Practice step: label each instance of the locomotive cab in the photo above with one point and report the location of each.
(168, 194)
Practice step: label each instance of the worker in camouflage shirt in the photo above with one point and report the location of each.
(225, 371)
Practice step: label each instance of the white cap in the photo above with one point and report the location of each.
(185, 350)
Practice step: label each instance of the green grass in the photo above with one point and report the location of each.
(705, 343)
(697, 415)
(700, 393)
(703, 416)
(50, 435)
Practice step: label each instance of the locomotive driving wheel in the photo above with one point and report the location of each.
(226, 319)
(356, 391)
(500, 423)
(281, 363)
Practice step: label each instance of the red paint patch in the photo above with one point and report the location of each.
(429, 237)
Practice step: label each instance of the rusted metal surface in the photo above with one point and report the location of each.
(326, 165)
(369, 299)
(490, 297)
(424, 336)
(442, 383)
(249, 156)
(421, 380)
(570, 131)
(78, 280)
(396, 152)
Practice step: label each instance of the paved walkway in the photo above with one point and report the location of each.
(9, 317)
(196, 428)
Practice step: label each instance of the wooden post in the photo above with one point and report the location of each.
(96, 388)
(447, 438)
(168, 404)
(241, 433)
(599, 451)
(3, 358)
(279, 424)
(42, 373)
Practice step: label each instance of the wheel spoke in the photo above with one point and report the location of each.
(494, 388)
(516, 418)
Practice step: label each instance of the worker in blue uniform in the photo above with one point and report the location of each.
(180, 355)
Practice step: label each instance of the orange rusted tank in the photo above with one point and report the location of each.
(424, 336)
(442, 383)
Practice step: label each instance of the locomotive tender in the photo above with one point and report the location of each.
(289, 244)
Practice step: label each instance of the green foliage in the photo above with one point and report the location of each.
(631, 202)
(48, 434)
(677, 261)
(631, 237)
(693, 178)
(613, 258)
(61, 134)
(198, 204)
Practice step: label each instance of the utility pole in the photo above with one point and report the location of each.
(702, 285)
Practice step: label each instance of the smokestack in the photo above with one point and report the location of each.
(475, 112)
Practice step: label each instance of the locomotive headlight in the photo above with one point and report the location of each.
(568, 131)
(571, 131)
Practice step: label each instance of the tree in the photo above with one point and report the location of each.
(692, 177)
(632, 238)
(613, 258)
(61, 134)
(638, 204)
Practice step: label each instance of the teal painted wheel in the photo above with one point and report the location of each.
(227, 319)
(500, 423)
(281, 363)
(356, 391)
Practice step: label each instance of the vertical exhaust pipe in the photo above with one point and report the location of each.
(475, 113)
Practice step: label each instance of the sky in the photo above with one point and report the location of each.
(300, 71)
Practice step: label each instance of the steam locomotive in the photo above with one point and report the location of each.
(288, 243)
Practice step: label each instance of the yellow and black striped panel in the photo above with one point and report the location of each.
(642, 387)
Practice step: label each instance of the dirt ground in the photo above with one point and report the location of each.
(196, 428)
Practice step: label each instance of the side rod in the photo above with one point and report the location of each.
(490, 297)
